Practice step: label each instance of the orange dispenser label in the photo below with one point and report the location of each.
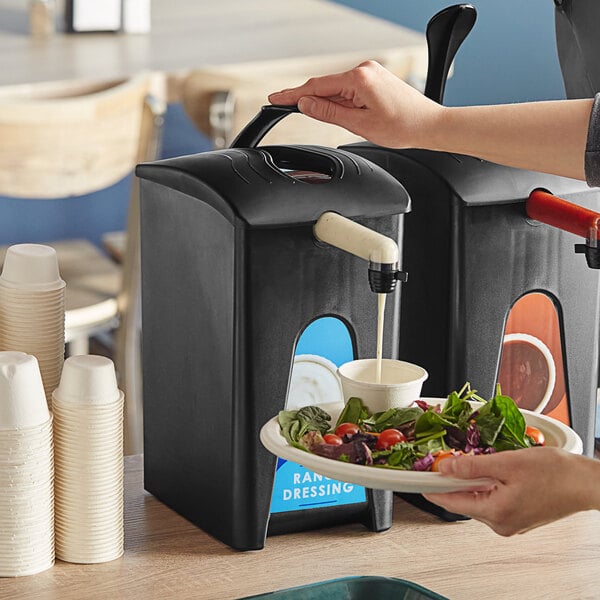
(531, 367)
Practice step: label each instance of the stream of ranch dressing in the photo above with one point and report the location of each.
(380, 314)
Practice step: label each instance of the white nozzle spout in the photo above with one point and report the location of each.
(357, 239)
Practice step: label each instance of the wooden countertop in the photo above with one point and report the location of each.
(167, 557)
(190, 34)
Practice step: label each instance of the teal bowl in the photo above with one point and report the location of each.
(354, 588)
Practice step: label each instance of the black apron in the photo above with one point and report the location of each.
(578, 43)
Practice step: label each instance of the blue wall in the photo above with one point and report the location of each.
(509, 56)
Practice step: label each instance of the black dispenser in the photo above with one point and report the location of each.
(472, 252)
(231, 276)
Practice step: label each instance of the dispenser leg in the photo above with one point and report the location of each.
(380, 514)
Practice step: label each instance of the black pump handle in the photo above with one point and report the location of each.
(268, 116)
(446, 31)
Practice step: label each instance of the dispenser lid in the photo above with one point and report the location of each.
(273, 186)
(475, 182)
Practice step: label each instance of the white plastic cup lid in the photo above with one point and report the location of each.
(31, 266)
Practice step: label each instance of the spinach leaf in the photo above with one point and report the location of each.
(501, 424)
(457, 410)
(353, 412)
(393, 417)
(433, 444)
(399, 456)
(514, 422)
(489, 426)
(431, 425)
(294, 424)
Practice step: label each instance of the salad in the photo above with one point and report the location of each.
(415, 438)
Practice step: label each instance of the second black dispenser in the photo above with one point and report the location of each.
(231, 275)
(476, 254)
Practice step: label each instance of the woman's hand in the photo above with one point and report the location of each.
(370, 102)
(532, 487)
(373, 103)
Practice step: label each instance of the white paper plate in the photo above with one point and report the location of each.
(314, 382)
(556, 433)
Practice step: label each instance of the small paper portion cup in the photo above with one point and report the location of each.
(31, 266)
(88, 379)
(401, 383)
(22, 397)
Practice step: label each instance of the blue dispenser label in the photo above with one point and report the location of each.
(297, 488)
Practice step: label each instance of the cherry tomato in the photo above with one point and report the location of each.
(346, 429)
(333, 439)
(536, 435)
(440, 456)
(388, 437)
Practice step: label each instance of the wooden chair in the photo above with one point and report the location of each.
(221, 101)
(69, 139)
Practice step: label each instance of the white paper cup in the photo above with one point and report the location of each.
(101, 524)
(31, 266)
(401, 383)
(89, 535)
(14, 441)
(88, 439)
(17, 558)
(22, 397)
(105, 483)
(87, 557)
(88, 379)
(26, 519)
(27, 567)
(26, 529)
(32, 296)
(80, 512)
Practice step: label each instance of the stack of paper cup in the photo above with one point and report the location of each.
(88, 440)
(32, 309)
(26, 469)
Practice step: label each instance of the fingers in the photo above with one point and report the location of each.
(469, 502)
(341, 88)
(473, 467)
(331, 112)
(329, 86)
(465, 503)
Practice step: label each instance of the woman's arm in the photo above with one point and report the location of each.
(375, 104)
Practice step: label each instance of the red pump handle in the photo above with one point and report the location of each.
(546, 208)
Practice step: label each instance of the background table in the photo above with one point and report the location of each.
(189, 34)
(167, 557)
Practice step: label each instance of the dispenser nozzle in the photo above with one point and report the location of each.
(590, 248)
(382, 277)
(546, 208)
(381, 251)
